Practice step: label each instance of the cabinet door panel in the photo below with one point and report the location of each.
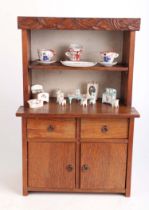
(51, 165)
(103, 165)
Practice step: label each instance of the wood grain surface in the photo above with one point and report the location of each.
(106, 166)
(51, 128)
(26, 56)
(34, 65)
(104, 128)
(53, 23)
(52, 109)
(47, 165)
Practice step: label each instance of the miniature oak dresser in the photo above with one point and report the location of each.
(75, 148)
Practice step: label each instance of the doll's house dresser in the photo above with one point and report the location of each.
(74, 148)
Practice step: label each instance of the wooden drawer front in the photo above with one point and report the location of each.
(54, 128)
(104, 128)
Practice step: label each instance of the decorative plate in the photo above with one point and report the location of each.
(78, 63)
(107, 64)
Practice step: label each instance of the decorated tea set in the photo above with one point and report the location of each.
(73, 54)
(73, 57)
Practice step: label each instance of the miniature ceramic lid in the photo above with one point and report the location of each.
(36, 88)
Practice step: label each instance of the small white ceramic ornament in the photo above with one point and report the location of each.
(35, 103)
(46, 55)
(63, 102)
(84, 100)
(77, 95)
(74, 52)
(60, 97)
(92, 88)
(43, 97)
(109, 96)
(108, 57)
(37, 89)
(116, 103)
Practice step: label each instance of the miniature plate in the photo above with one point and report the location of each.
(107, 64)
(78, 63)
(46, 62)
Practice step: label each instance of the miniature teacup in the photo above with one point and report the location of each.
(75, 47)
(109, 57)
(74, 52)
(46, 55)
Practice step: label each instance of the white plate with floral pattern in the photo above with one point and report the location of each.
(78, 63)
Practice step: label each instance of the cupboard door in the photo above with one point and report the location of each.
(103, 166)
(51, 165)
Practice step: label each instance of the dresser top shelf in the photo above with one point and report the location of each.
(34, 65)
(53, 109)
(53, 23)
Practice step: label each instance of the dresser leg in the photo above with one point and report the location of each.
(127, 194)
(25, 192)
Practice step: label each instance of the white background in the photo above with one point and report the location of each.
(11, 98)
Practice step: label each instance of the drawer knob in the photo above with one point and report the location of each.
(104, 129)
(85, 167)
(50, 128)
(69, 167)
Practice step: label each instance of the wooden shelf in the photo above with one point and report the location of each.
(34, 65)
(53, 109)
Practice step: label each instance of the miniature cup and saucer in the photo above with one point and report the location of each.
(46, 56)
(74, 52)
(108, 58)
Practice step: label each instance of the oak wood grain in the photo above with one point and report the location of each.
(65, 190)
(34, 65)
(52, 109)
(104, 128)
(78, 132)
(51, 128)
(24, 157)
(53, 23)
(128, 58)
(129, 158)
(26, 53)
(47, 165)
(106, 166)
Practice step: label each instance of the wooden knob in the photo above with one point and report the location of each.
(50, 128)
(104, 129)
(85, 167)
(69, 167)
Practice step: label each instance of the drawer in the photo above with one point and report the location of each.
(104, 128)
(51, 128)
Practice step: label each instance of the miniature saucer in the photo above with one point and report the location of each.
(78, 63)
(107, 64)
(46, 62)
